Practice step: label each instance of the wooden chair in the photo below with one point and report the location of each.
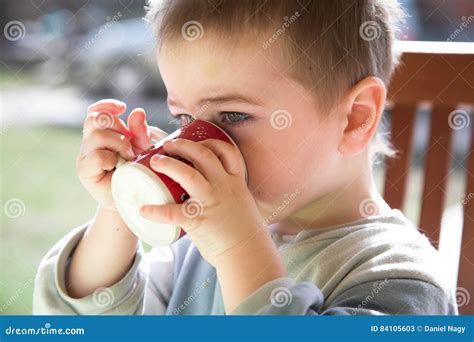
(442, 76)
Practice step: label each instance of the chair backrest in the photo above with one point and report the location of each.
(440, 77)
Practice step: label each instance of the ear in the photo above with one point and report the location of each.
(363, 107)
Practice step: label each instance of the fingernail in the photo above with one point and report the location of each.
(156, 158)
(144, 114)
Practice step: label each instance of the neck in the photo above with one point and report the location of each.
(354, 199)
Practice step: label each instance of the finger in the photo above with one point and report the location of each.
(229, 155)
(96, 163)
(188, 177)
(141, 138)
(156, 133)
(203, 159)
(188, 214)
(107, 139)
(104, 120)
(115, 107)
(102, 115)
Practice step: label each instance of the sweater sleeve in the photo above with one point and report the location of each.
(283, 296)
(126, 297)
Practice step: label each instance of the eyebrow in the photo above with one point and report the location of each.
(232, 97)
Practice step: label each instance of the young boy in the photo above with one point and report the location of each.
(300, 86)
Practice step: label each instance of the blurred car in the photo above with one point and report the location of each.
(117, 58)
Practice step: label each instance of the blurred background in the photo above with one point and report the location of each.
(56, 58)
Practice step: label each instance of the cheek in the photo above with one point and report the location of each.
(281, 163)
(270, 176)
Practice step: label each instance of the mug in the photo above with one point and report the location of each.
(135, 184)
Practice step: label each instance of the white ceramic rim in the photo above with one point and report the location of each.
(157, 186)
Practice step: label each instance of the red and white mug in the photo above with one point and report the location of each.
(135, 184)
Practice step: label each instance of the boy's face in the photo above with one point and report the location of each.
(289, 147)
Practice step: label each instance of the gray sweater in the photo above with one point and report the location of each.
(377, 266)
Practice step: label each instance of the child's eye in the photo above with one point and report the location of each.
(234, 117)
(185, 119)
(181, 119)
(229, 118)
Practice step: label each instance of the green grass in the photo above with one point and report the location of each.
(14, 76)
(38, 169)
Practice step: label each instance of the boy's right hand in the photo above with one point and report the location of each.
(105, 137)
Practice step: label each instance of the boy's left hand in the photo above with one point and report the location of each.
(221, 213)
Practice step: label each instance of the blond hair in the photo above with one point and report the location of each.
(330, 45)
